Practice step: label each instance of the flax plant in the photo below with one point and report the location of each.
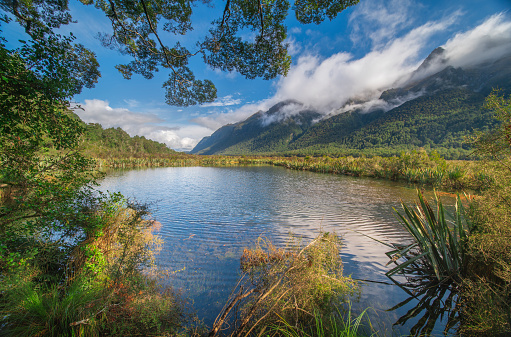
(439, 248)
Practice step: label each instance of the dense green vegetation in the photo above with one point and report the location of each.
(116, 143)
(73, 261)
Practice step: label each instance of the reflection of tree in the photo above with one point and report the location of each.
(436, 301)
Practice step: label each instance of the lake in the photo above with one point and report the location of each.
(210, 214)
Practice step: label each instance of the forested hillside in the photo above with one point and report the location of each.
(263, 132)
(117, 143)
(442, 121)
(439, 111)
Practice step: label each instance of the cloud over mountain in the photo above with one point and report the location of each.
(327, 84)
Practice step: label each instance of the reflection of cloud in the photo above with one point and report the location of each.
(224, 101)
(142, 124)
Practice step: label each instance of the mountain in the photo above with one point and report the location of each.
(437, 108)
(270, 131)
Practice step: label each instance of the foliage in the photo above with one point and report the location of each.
(287, 285)
(486, 296)
(138, 26)
(496, 144)
(108, 143)
(101, 293)
(72, 260)
(434, 264)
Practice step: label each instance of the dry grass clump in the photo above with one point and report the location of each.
(292, 285)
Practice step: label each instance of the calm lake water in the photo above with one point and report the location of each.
(209, 214)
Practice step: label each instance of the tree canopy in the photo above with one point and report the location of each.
(139, 29)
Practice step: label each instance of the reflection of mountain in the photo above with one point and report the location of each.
(437, 107)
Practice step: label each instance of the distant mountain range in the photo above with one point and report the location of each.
(437, 108)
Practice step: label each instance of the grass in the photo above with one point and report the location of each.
(337, 325)
(417, 167)
(108, 287)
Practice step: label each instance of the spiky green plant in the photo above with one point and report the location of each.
(439, 248)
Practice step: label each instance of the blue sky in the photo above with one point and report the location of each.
(367, 49)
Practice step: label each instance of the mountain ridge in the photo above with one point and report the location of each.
(435, 111)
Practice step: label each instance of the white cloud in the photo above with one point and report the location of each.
(283, 113)
(380, 21)
(216, 120)
(295, 30)
(486, 42)
(294, 48)
(224, 101)
(181, 138)
(132, 102)
(98, 111)
(327, 84)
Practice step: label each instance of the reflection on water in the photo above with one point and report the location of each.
(209, 215)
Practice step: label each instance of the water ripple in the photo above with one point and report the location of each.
(209, 215)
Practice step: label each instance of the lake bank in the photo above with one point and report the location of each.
(418, 167)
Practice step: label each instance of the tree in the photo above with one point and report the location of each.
(64, 245)
(140, 27)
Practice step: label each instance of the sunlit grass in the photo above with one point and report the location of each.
(337, 325)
